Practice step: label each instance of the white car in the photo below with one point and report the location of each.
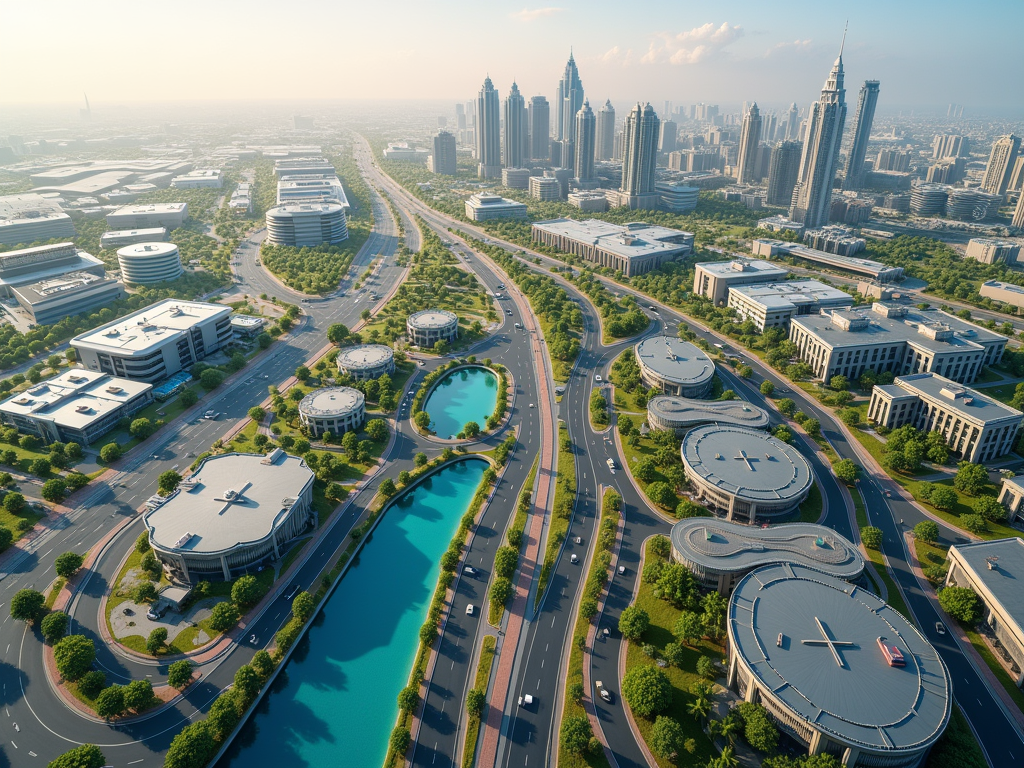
(597, 378)
(470, 609)
(525, 700)
(622, 570)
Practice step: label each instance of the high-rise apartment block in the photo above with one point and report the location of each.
(783, 168)
(1000, 164)
(669, 132)
(516, 145)
(950, 145)
(861, 134)
(583, 162)
(605, 141)
(750, 138)
(444, 159)
(488, 132)
(1018, 213)
(639, 158)
(540, 129)
(793, 123)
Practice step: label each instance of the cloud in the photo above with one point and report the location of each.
(692, 46)
(618, 56)
(797, 45)
(532, 14)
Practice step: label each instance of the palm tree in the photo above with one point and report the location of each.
(730, 728)
(699, 707)
(727, 759)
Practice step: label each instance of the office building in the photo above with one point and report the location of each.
(773, 305)
(311, 188)
(236, 512)
(845, 674)
(242, 199)
(403, 152)
(121, 238)
(783, 170)
(302, 166)
(1011, 496)
(892, 159)
(200, 178)
(639, 159)
(972, 205)
(880, 273)
(482, 207)
(813, 193)
(444, 158)
(169, 215)
(894, 338)
(515, 178)
(750, 139)
(587, 202)
(334, 410)
(677, 198)
(247, 326)
(792, 123)
(429, 326)
(606, 131)
(547, 188)
(834, 238)
(990, 250)
(994, 569)
(28, 266)
(713, 279)
(1000, 164)
(517, 131)
(146, 263)
(669, 133)
(30, 218)
(488, 132)
(950, 145)
(674, 367)
(307, 224)
(949, 170)
(157, 341)
(678, 414)
(861, 134)
(76, 406)
(1018, 213)
(632, 249)
(52, 299)
(780, 223)
(719, 553)
(977, 428)
(583, 143)
(539, 118)
(928, 199)
(366, 361)
(569, 100)
(1017, 175)
(1008, 293)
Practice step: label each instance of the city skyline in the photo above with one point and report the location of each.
(737, 52)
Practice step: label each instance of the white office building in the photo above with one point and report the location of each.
(169, 215)
(121, 238)
(200, 178)
(1008, 293)
(52, 299)
(146, 263)
(713, 279)
(880, 273)
(674, 367)
(632, 249)
(771, 305)
(311, 188)
(307, 224)
(30, 218)
(482, 207)
(300, 166)
(333, 409)
(429, 326)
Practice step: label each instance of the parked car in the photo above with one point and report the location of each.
(156, 611)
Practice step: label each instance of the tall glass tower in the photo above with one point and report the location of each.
(861, 133)
(488, 132)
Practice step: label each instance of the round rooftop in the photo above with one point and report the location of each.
(331, 402)
(433, 318)
(747, 463)
(828, 669)
(726, 546)
(291, 209)
(147, 250)
(365, 356)
(688, 412)
(674, 360)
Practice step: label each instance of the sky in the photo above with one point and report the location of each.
(926, 53)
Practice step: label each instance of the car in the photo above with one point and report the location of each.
(518, 326)
(292, 592)
(508, 312)
(470, 609)
(940, 628)
(469, 570)
(574, 559)
(720, 346)
(532, 405)
(525, 700)
(421, 363)
(501, 286)
(597, 378)
(579, 539)
(156, 611)
(611, 464)
(211, 415)
(888, 494)
(622, 570)
(603, 692)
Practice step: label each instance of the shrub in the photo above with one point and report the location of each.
(926, 531)
(138, 695)
(155, 641)
(246, 592)
(84, 756)
(647, 690)
(973, 523)
(144, 592)
(141, 428)
(576, 734)
(667, 737)
(14, 502)
(399, 740)
(110, 452)
(54, 490)
(179, 674)
(661, 494)
(54, 626)
(871, 536)
(962, 604)
(91, 683)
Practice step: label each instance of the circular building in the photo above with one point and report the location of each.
(837, 668)
(428, 326)
(673, 366)
(682, 413)
(719, 553)
(332, 409)
(307, 224)
(235, 511)
(144, 263)
(743, 472)
(366, 361)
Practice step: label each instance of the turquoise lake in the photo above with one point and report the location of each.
(335, 702)
(468, 394)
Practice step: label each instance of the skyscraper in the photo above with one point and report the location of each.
(444, 160)
(669, 133)
(639, 157)
(750, 136)
(540, 128)
(488, 132)
(793, 123)
(606, 132)
(783, 167)
(460, 117)
(812, 198)
(1000, 164)
(951, 145)
(861, 133)
(584, 141)
(516, 147)
(1018, 214)
(570, 100)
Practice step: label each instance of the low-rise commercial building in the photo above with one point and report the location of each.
(515, 178)
(679, 414)
(333, 409)
(429, 326)
(836, 239)
(632, 249)
(1008, 293)
(894, 338)
(247, 326)
(989, 250)
(874, 270)
(780, 223)
(994, 570)
(242, 199)
(169, 215)
(1011, 496)
(311, 188)
(77, 406)
(147, 263)
(587, 201)
(483, 207)
(977, 427)
(771, 305)
(307, 224)
(200, 178)
(674, 367)
(677, 198)
(299, 166)
(366, 361)
(719, 553)
(713, 279)
(236, 511)
(549, 188)
(28, 266)
(31, 218)
(157, 341)
(402, 152)
(51, 300)
(123, 237)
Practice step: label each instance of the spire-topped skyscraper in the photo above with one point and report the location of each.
(516, 143)
(793, 123)
(861, 134)
(569, 101)
(750, 137)
(583, 161)
(639, 158)
(812, 197)
(488, 132)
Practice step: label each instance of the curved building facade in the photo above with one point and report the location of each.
(366, 361)
(428, 326)
(837, 668)
(144, 263)
(744, 473)
(675, 367)
(682, 413)
(307, 224)
(333, 409)
(719, 553)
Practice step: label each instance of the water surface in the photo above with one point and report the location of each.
(468, 394)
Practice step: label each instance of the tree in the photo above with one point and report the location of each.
(211, 378)
(409, 698)
(661, 494)
(962, 604)
(144, 592)
(223, 617)
(399, 740)
(303, 606)
(26, 604)
(645, 470)
(926, 531)
(667, 737)
(758, 729)
(706, 667)
(110, 452)
(301, 446)
(687, 508)
(141, 428)
(767, 388)
(783, 433)
(91, 683)
(260, 440)
(839, 383)
(377, 429)
(475, 702)
(192, 747)
(6, 538)
(73, 656)
(471, 430)
(14, 502)
(155, 641)
(633, 622)
(849, 417)
(422, 419)
(188, 397)
(973, 523)
(54, 626)
(302, 373)
(501, 591)
(67, 564)
(576, 734)
(257, 414)
(871, 536)
(674, 654)
(970, 478)
(337, 333)
(40, 467)
(688, 627)
(246, 592)
(786, 406)
(54, 490)
(110, 702)
(990, 509)
(625, 424)
(420, 459)
(387, 488)
(505, 561)
(138, 695)
(224, 714)
(846, 471)
(179, 674)
(84, 756)
(943, 498)
(247, 682)
(647, 689)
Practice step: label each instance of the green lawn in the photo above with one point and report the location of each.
(483, 675)
(987, 376)
(810, 510)
(1001, 392)
(565, 496)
